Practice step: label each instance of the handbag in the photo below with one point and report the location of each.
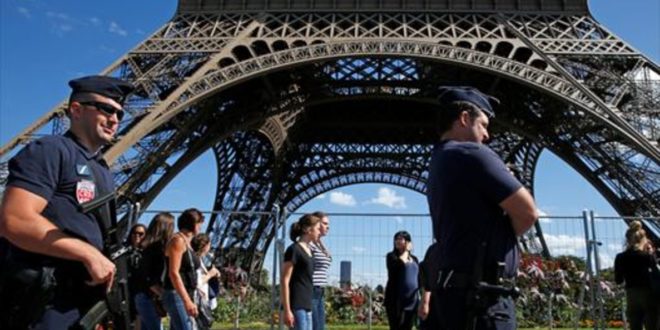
(204, 319)
(214, 287)
(158, 306)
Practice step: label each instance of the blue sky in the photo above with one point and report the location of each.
(43, 44)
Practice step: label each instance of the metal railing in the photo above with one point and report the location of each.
(364, 240)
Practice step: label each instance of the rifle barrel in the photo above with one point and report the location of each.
(93, 204)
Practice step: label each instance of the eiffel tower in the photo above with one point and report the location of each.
(299, 97)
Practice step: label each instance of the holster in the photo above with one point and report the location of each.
(481, 294)
(26, 292)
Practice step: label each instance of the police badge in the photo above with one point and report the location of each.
(85, 191)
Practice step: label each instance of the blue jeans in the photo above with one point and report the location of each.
(179, 319)
(56, 319)
(149, 319)
(318, 309)
(303, 319)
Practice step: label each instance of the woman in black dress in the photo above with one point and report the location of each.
(150, 275)
(633, 267)
(401, 291)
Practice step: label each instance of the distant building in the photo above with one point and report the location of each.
(345, 274)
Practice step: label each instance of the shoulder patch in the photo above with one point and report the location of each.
(83, 169)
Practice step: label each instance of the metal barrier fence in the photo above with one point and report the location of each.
(365, 239)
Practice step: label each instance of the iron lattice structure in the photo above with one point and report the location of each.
(300, 97)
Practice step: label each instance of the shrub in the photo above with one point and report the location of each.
(550, 293)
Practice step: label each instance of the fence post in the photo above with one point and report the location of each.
(274, 306)
(599, 293)
(370, 308)
(283, 216)
(550, 326)
(623, 311)
(238, 311)
(588, 277)
(590, 269)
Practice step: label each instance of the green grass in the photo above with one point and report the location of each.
(263, 326)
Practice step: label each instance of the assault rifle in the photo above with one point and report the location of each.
(115, 307)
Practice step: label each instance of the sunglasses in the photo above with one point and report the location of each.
(138, 233)
(105, 108)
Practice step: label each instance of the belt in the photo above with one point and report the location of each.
(448, 278)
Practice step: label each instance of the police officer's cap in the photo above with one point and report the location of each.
(485, 102)
(110, 87)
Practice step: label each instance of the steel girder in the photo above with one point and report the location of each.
(569, 6)
(252, 85)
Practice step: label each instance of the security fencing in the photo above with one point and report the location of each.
(574, 288)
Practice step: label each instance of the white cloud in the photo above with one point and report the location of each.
(369, 278)
(606, 260)
(598, 217)
(607, 253)
(342, 199)
(24, 11)
(615, 247)
(565, 244)
(543, 216)
(398, 219)
(389, 198)
(60, 16)
(358, 249)
(140, 32)
(95, 21)
(61, 23)
(321, 196)
(115, 28)
(60, 29)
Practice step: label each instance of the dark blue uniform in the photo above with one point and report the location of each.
(467, 181)
(66, 174)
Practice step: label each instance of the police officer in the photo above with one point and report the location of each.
(52, 266)
(478, 209)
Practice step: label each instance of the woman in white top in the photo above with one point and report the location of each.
(322, 261)
(201, 244)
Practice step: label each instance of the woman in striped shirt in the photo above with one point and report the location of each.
(322, 260)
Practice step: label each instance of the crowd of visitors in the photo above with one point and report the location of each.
(171, 274)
